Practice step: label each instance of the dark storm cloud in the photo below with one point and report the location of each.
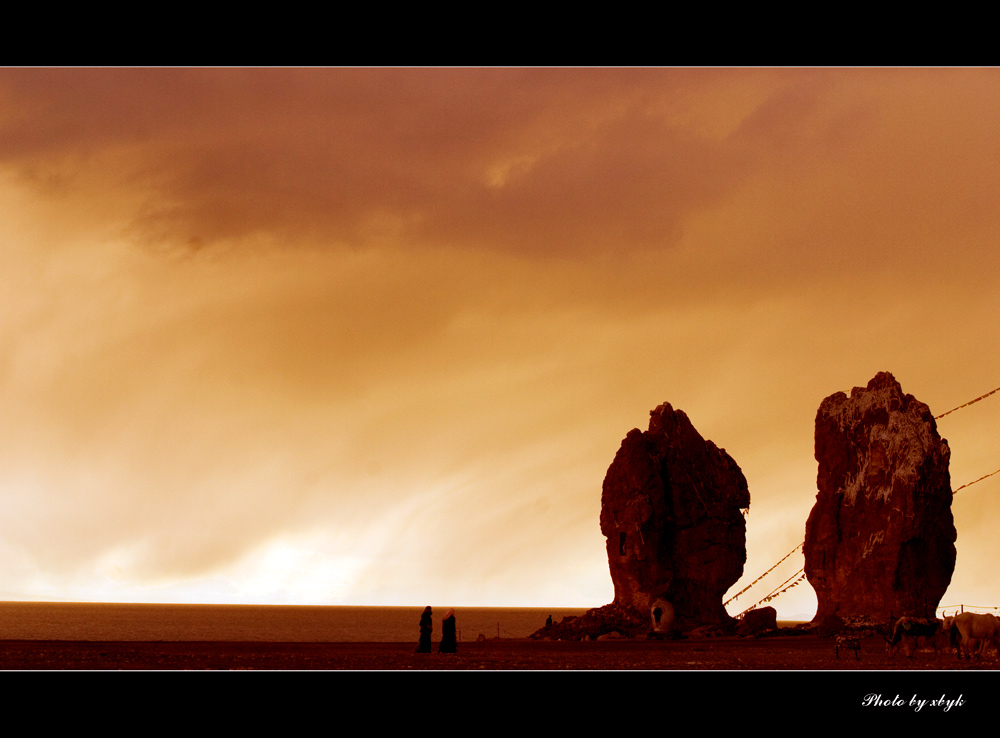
(531, 161)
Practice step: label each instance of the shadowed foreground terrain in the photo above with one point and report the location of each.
(779, 653)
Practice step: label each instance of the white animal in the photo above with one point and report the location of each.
(971, 632)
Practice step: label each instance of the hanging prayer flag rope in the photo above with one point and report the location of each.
(781, 589)
(970, 402)
(761, 576)
(977, 480)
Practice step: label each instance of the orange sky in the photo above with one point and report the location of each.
(355, 336)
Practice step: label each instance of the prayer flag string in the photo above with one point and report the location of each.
(761, 576)
(970, 402)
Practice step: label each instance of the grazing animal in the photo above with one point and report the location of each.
(911, 633)
(848, 641)
(971, 631)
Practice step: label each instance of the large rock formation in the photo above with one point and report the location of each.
(880, 539)
(672, 513)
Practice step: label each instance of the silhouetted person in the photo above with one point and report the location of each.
(548, 621)
(448, 642)
(426, 626)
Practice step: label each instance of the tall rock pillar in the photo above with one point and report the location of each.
(880, 538)
(671, 510)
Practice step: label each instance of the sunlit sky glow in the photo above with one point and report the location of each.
(373, 337)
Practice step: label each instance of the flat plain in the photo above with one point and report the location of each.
(775, 653)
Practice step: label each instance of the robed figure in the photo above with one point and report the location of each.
(449, 644)
(426, 626)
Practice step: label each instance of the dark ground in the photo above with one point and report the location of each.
(777, 653)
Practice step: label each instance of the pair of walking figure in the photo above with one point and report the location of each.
(449, 643)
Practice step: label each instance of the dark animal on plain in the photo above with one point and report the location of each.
(911, 633)
(848, 641)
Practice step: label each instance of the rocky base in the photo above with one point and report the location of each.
(614, 621)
